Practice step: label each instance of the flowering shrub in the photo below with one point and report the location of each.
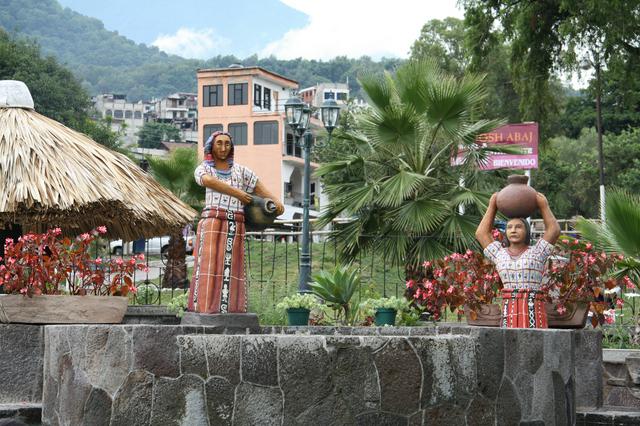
(52, 264)
(582, 275)
(454, 281)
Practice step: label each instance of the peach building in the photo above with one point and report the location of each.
(248, 102)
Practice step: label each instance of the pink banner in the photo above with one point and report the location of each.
(524, 135)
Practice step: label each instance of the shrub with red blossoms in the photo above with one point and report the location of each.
(52, 264)
(581, 274)
(454, 281)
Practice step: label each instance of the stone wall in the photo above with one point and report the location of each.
(141, 374)
(621, 376)
(21, 353)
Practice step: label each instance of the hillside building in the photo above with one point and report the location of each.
(125, 114)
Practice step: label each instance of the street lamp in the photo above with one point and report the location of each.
(298, 118)
(586, 64)
(329, 112)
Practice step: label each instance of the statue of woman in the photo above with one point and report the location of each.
(520, 265)
(218, 283)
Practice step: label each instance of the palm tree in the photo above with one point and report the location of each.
(620, 232)
(176, 174)
(399, 187)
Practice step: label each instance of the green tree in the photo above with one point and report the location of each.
(401, 190)
(153, 134)
(56, 92)
(547, 36)
(443, 42)
(176, 174)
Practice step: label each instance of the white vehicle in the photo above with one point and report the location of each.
(152, 246)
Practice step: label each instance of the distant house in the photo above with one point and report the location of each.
(125, 114)
(177, 109)
(248, 102)
(316, 95)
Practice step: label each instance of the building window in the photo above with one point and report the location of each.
(128, 114)
(117, 113)
(211, 128)
(109, 113)
(257, 95)
(238, 94)
(341, 96)
(329, 95)
(212, 95)
(293, 149)
(137, 115)
(238, 132)
(265, 133)
(267, 98)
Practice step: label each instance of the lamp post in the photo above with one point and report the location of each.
(298, 118)
(585, 64)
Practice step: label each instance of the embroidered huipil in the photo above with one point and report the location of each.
(523, 272)
(239, 177)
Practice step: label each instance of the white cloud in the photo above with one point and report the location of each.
(358, 27)
(192, 43)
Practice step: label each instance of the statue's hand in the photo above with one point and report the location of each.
(542, 200)
(245, 198)
(279, 208)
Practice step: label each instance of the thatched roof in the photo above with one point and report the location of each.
(51, 175)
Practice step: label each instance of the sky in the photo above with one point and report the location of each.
(311, 29)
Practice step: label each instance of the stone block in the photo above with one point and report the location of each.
(258, 405)
(523, 351)
(508, 411)
(588, 367)
(490, 355)
(481, 412)
(438, 379)
(622, 397)
(380, 418)
(155, 349)
(220, 397)
(22, 355)
(332, 410)
(223, 356)
(97, 409)
(193, 358)
(633, 368)
(233, 323)
(132, 403)
(179, 401)
(355, 378)
(259, 360)
(305, 373)
(108, 356)
(400, 376)
(444, 415)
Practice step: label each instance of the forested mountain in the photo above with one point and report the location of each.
(108, 62)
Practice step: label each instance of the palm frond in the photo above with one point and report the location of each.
(420, 216)
(398, 188)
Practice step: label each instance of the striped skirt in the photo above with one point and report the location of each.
(523, 309)
(218, 282)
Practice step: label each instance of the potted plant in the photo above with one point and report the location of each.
(576, 279)
(467, 282)
(336, 288)
(298, 307)
(43, 275)
(384, 309)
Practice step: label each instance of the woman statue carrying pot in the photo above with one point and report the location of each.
(520, 265)
(218, 283)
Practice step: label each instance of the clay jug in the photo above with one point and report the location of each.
(259, 214)
(517, 199)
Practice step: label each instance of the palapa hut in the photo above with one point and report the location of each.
(52, 176)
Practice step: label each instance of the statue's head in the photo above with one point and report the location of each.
(518, 231)
(219, 147)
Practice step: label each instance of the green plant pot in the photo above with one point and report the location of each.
(298, 316)
(385, 316)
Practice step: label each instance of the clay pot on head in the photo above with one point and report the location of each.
(517, 199)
